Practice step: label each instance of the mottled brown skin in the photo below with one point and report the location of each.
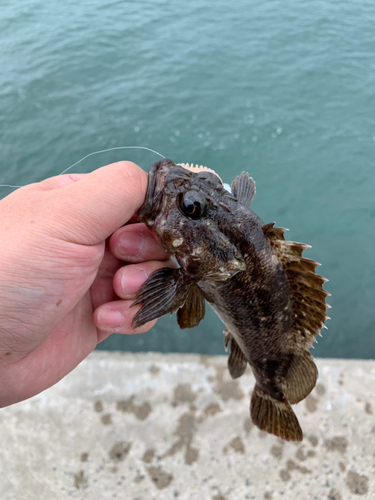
(229, 257)
(255, 305)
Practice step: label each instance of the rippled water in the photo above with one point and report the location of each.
(283, 90)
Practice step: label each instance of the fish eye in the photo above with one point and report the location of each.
(192, 204)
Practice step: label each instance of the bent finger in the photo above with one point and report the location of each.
(117, 317)
(136, 243)
(129, 279)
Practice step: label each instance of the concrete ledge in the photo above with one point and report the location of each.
(153, 426)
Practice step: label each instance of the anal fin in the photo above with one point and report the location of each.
(301, 377)
(273, 416)
(164, 292)
(237, 363)
(192, 312)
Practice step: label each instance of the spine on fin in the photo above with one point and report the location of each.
(306, 286)
(273, 416)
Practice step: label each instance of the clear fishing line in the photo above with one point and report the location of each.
(9, 186)
(110, 149)
(92, 154)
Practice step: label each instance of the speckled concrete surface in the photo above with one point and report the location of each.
(154, 426)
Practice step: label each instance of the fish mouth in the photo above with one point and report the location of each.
(157, 173)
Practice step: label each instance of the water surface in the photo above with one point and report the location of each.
(284, 91)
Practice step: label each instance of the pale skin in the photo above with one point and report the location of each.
(63, 283)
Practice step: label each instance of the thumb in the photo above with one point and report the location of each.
(90, 210)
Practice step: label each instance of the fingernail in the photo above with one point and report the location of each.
(132, 280)
(131, 245)
(110, 318)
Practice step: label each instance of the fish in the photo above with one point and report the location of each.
(269, 297)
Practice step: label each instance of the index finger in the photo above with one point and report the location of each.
(136, 243)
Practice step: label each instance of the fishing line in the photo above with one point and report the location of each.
(92, 154)
(9, 186)
(110, 149)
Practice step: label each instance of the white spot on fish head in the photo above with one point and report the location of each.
(160, 221)
(197, 251)
(178, 242)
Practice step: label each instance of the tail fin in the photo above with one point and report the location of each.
(273, 416)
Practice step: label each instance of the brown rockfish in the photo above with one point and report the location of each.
(268, 296)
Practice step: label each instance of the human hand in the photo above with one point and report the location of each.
(62, 288)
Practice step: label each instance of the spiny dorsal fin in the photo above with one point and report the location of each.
(192, 312)
(237, 362)
(309, 309)
(274, 233)
(243, 188)
(198, 168)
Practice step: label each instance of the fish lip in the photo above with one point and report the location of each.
(148, 210)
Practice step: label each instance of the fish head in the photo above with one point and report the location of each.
(184, 208)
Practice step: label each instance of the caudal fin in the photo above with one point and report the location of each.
(273, 416)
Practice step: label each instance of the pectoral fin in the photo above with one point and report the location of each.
(192, 312)
(243, 188)
(237, 362)
(164, 292)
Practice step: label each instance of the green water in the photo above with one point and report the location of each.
(284, 90)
